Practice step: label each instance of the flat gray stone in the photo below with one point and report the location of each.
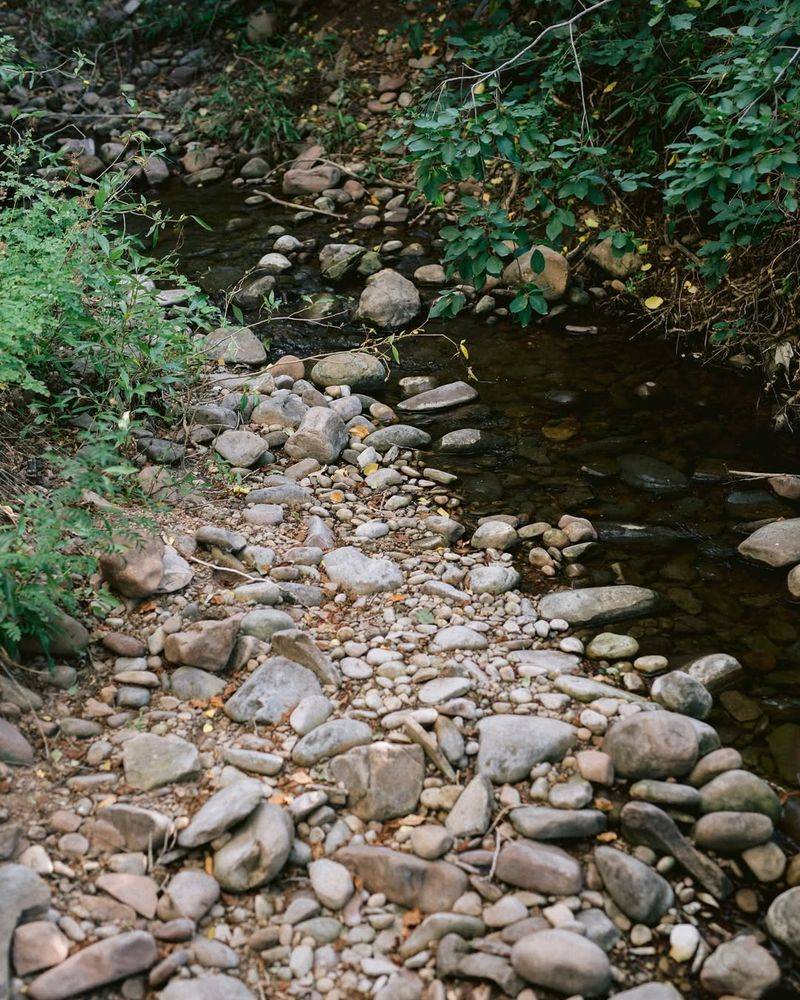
(544, 823)
(383, 780)
(564, 962)
(330, 739)
(776, 544)
(257, 851)
(637, 889)
(598, 605)
(223, 810)
(216, 987)
(652, 745)
(443, 397)
(358, 574)
(151, 761)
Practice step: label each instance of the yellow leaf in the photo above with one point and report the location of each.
(645, 267)
(654, 302)
(463, 348)
(610, 86)
(369, 469)
(208, 728)
(337, 496)
(479, 89)
(590, 221)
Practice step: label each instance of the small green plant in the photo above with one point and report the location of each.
(84, 341)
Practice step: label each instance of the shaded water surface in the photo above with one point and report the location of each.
(562, 409)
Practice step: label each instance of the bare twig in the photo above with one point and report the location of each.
(227, 569)
(302, 208)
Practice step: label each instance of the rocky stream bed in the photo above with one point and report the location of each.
(384, 712)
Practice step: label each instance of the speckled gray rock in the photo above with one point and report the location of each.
(241, 448)
(493, 579)
(23, 896)
(104, 962)
(776, 544)
(511, 744)
(715, 671)
(399, 435)
(389, 300)
(216, 987)
(443, 397)
(732, 831)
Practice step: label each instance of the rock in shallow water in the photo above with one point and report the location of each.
(598, 605)
(776, 544)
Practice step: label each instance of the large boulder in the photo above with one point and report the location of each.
(389, 301)
(620, 266)
(552, 280)
(234, 344)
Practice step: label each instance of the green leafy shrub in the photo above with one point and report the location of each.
(84, 341)
(670, 110)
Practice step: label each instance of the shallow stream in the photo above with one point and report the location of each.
(563, 408)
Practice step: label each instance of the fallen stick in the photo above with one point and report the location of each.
(300, 208)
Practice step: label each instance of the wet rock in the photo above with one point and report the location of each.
(389, 300)
(397, 435)
(222, 811)
(241, 448)
(472, 813)
(234, 345)
(14, 748)
(404, 879)
(564, 962)
(651, 474)
(652, 745)
(739, 791)
(544, 823)
(204, 644)
(715, 671)
(24, 896)
(329, 739)
(776, 544)
(443, 397)
(740, 968)
(137, 568)
(511, 744)
(731, 832)
(188, 895)
(383, 780)
(637, 889)
(551, 279)
(151, 761)
(257, 852)
(321, 435)
(216, 987)
(117, 957)
(539, 868)
(678, 692)
(358, 574)
(272, 692)
(337, 260)
(643, 823)
(598, 605)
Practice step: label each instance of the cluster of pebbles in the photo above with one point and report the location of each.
(326, 747)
